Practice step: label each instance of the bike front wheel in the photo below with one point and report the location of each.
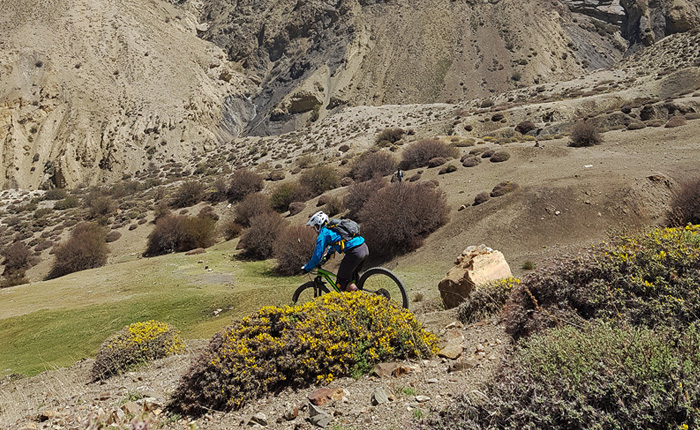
(379, 280)
(307, 292)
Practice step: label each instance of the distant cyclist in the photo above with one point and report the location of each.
(355, 249)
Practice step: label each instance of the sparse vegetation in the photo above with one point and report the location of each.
(585, 134)
(298, 346)
(359, 193)
(134, 345)
(389, 136)
(420, 153)
(16, 258)
(85, 249)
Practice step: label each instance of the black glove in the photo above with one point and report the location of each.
(303, 269)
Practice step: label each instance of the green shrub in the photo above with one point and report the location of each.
(334, 205)
(421, 152)
(244, 182)
(598, 378)
(371, 164)
(85, 249)
(287, 193)
(258, 241)
(293, 248)
(585, 134)
(396, 218)
(188, 194)
(685, 205)
(67, 203)
(319, 179)
(99, 206)
(648, 279)
(179, 233)
(55, 194)
(334, 336)
(389, 136)
(486, 300)
(251, 206)
(136, 344)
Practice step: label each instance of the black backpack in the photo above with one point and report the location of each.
(346, 228)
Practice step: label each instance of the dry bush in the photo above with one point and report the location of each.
(287, 193)
(55, 194)
(294, 347)
(134, 345)
(486, 300)
(85, 249)
(251, 206)
(504, 188)
(389, 136)
(471, 161)
(500, 156)
(421, 152)
(67, 203)
(371, 164)
(17, 258)
(160, 210)
(229, 228)
(258, 241)
(320, 179)
(188, 194)
(524, 127)
(359, 193)
(334, 205)
(293, 249)
(585, 134)
(482, 197)
(113, 236)
(396, 219)
(685, 205)
(179, 233)
(244, 182)
(218, 191)
(436, 161)
(100, 207)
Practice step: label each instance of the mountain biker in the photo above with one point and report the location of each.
(355, 250)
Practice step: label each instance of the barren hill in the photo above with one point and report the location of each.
(95, 91)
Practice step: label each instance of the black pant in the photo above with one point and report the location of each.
(351, 265)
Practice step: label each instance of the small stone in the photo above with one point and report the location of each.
(318, 416)
(379, 396)
(259, 419)
(132, 408)
(422, 399)
(432, 381)
(462, 365)
(291, 413)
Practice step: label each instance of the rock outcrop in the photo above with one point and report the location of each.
(477, 265)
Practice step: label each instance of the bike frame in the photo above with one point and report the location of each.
(330, 277)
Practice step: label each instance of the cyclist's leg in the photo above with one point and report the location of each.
(349, 267)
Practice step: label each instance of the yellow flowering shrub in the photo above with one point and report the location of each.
(135, 344)
(338, 334)
(649, 279)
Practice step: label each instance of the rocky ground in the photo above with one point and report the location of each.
(393, 397)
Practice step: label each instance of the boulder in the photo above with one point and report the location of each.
(475, 266)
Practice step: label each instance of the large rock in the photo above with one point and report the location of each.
(477, 265)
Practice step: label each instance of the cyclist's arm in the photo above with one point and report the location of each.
(321, 245)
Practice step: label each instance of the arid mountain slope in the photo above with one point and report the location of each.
(93, 90)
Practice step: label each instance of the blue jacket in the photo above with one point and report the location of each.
(328, 238)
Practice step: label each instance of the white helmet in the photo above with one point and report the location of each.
(318, 220)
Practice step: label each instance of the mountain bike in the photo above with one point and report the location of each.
(376, 280)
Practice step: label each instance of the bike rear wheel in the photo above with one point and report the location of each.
(306, 292)
(379, 280)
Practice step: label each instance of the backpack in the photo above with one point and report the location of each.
(346, 228)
